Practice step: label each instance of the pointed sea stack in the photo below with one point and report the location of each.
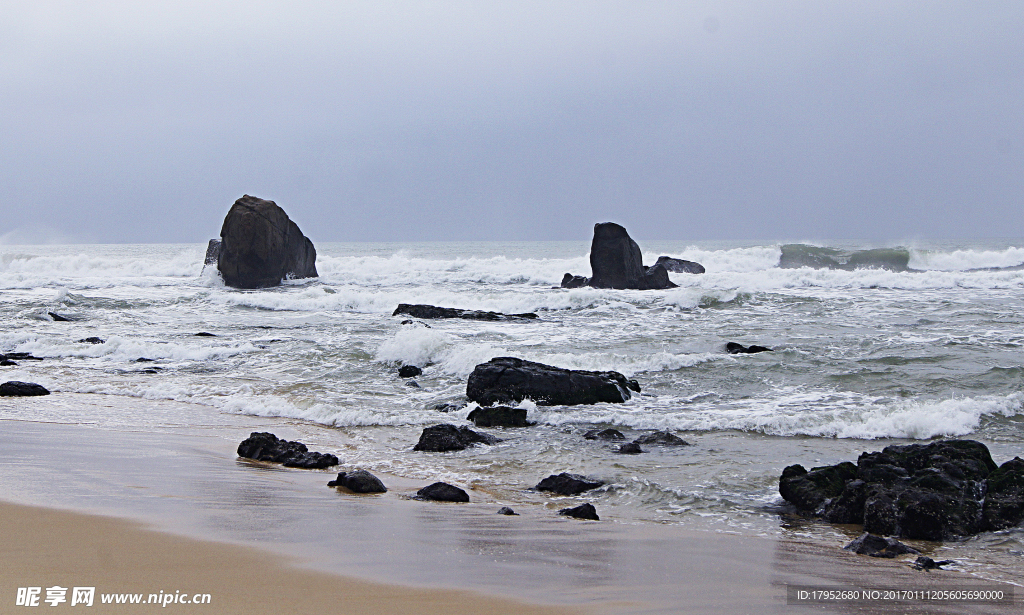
(260, 246)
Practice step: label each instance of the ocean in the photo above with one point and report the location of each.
(872, 345)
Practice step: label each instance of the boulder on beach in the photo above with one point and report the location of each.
(264, 446)
(583, 511)
(358, 481)
(934, 491)
(879, 546)
(616, 262)
(678, 265)
(260, 246)
(447, 437)
(14, 388)
(505, 510)
(499, 416)
(568, 484)
(442, 492)
(417, 310)
(505, 380)
(661, 438)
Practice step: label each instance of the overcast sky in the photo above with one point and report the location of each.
(406, 121)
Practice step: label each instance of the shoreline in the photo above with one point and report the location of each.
(187, 483)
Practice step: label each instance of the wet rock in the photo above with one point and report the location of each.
(505, 380)
(212, 252)
(447, 407)
(505, 510)
(568, 484)
(409, 371)
(144, 360)
(630, 448)
(574, 281)
(442, 492)
(583, 511)
(358, 481)
(261, 246)
(934, 491)
(5, 362)
(1004, 500)
(734, 348)
(604, 434)
(432, 311)
(924, 562)
(678, 265)
(264, 446)
(662, 438)
(204, 334)
(413, 384)
(415, 322)
(58, 318)
(878, 546)
(91, 340)
(616, 261)
(447, 437)
(499, 416)
(21, 356)
(14, 388)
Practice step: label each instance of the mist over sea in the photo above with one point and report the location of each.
(871, 346)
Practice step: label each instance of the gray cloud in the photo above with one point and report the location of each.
(417, 121)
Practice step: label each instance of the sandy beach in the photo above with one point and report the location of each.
(180, 512)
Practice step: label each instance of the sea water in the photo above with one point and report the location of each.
(872, 345)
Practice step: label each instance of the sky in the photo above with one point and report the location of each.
(882, 120)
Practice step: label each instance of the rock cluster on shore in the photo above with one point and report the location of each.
(935, 491)
(264, 446)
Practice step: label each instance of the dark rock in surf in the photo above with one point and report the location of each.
(574, 281)
(409, 371)
(204, 334)
(616, 262)
(58, 318)
(499, 416)
(630, 448)
(661, 438)
(604, 434)
(212, 253)
(923, 562)
(5, 362)
(432, 311)
(932, 491)
(583, 511)
(413, 384)
(449, 407)
(442, 492)
(678, 265)
(264, 446)
(358, 481)
(144, 360)
(447, 437)
(568, 484)
(878, 546)
(91, 340)
(21, 356)
(14, 388)
(414, 322)
(505, 510)
(505, 380)
(1004, 496)
(734, 348)
(261, 246)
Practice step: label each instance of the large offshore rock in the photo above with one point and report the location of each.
(505, 380)
(616, 262)
(930, 491)
(260, 246)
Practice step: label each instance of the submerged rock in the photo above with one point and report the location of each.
(505, 510)
(58, 318)
(583, 511)
(14, 388)
(604, 434)
(432, 311)
(630, 448)
(924, 562)
(930, 491)
(878, 546)
(499, 416)
(260, 246)
(616, 262)
(662, 438)
(734, 348)
(568, 484)
(91, 340)
(442, 492)
(447, 437)
(359, 481)
(264, 446)
(21, 356)
(409, 371)
(505, 380)
(204, 334)
(678, 265)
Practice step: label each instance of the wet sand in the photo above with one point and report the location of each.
(263, 533)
